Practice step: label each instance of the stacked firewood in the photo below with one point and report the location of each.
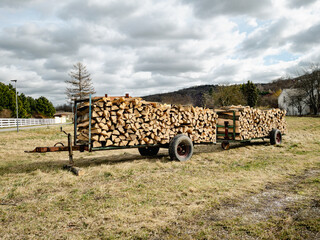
(133, 121)
(250, 122)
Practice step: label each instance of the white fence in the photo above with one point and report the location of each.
(12, 122)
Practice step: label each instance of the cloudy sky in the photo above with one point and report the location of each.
(150, 46)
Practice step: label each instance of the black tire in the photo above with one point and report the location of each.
(180, 148)
(275, 137)
(225, 145)
(149, 151)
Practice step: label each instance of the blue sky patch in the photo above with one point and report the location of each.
(283, 56)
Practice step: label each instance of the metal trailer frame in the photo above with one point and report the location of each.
(230, 137)
(84, 147)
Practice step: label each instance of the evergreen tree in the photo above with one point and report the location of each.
(251, 93)
(80, 83)
(33, 104)
(45, 107)
(8, 100)
(26, 105)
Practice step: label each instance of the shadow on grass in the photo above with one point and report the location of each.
(233, 145)
(51, 166)
(85, 162)
(255, 143)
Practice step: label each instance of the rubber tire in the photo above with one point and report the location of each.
(173, 147)
(273, 137)
(149, 151)
(225, 145)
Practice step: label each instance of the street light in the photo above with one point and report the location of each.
(16, 103)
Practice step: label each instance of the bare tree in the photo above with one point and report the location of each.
(298, 100)
(309, 82)
(207, 99)
(80, 83)
(228, 95)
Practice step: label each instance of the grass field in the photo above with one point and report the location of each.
(254, 191)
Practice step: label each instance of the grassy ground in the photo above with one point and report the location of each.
(254, 191)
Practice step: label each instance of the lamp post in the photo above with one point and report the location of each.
(16, 103)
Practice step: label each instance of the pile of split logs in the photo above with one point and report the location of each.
(133, 121)
(250, 122)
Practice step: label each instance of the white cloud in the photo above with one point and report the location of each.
(148, 46)
(252, 22)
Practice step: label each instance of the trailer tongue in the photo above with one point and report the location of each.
(62, 148)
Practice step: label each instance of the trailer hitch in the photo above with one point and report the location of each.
(57, 148)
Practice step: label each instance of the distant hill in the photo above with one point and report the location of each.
(276, 85)
(195, 95)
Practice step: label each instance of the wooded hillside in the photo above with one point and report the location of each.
(193, 96)
(196, 95)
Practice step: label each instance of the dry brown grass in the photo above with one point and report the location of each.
(217, 194)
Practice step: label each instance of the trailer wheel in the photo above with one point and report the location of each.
(225, 145)
(149, 151)
(275, 137)
(180, 148)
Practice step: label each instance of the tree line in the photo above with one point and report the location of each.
(306, 86)
(237, 94)
(27, 106)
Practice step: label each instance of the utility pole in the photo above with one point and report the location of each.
(16, 103)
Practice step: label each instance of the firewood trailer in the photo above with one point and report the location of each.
(180, 144)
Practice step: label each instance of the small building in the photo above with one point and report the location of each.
(294, 101)
(63, 117)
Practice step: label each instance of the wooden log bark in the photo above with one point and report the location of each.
(252, 123)
(133, 121)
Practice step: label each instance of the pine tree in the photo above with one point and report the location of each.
(251, 93)
(45, 107)
(26, 105)
(80, 83)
